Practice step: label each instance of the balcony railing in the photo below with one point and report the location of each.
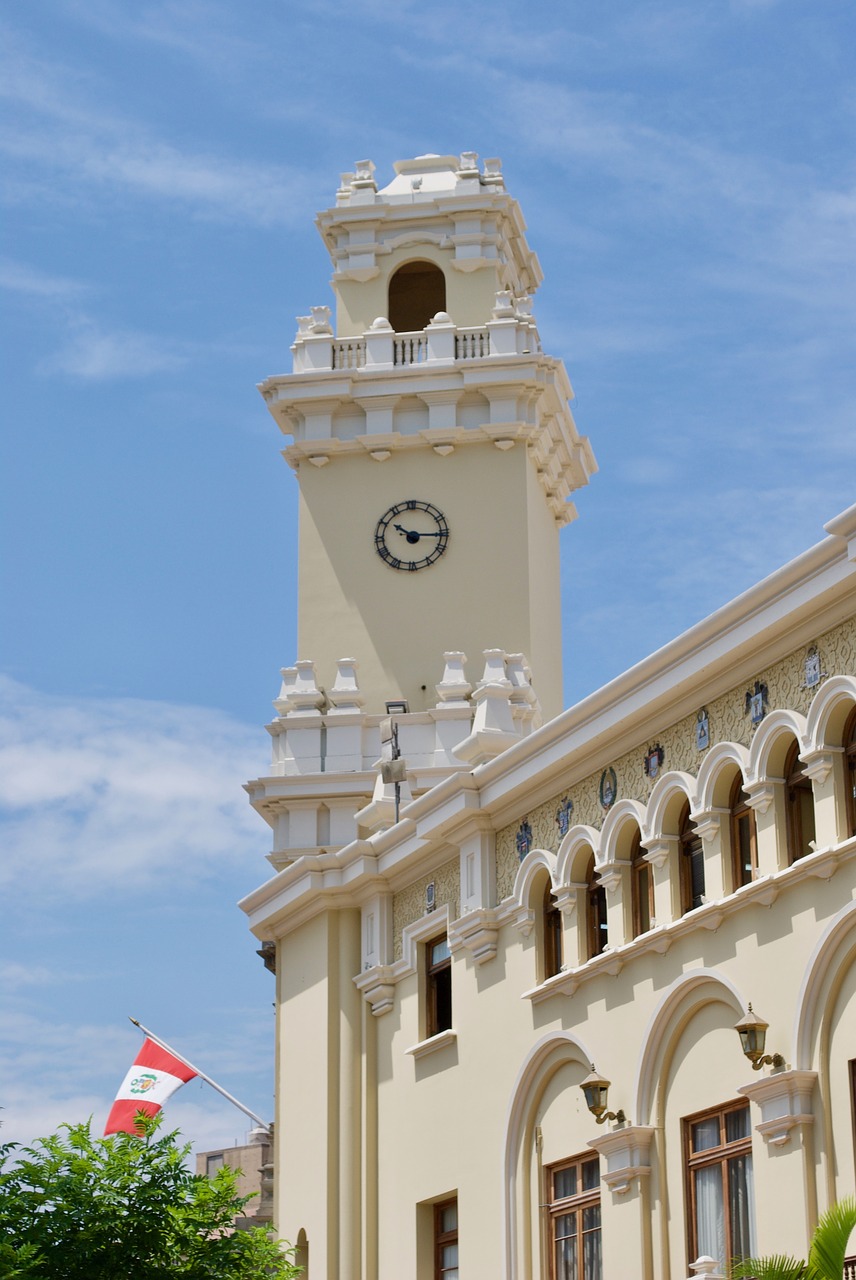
(317, 349)
(849, 1272)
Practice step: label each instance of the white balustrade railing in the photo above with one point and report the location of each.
(350, 354)
(471, 344)
(410, 348)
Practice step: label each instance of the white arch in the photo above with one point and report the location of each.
(717, 759)
(535, 861)
(532, 1078)
(809, 1002)
(777, 723)
(826, 701)
(578, 837)
(661, 1027)
(622, 812)
(663, 791)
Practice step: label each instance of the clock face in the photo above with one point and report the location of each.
(411, 535)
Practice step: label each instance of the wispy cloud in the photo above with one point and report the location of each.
(59, 130)
(142, 788)
(92, 354)
(17, 277)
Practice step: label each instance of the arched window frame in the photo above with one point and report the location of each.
(641, 888)
(691, 858)
(551, 934)
(799, 804)
(849, 743)
(744, 835)
(596, 920)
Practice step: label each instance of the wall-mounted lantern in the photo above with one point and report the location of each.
(752, 1031)
(595, 1091)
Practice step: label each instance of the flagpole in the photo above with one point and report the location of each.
(202, 1076)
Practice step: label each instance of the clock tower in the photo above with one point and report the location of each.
(431, 436)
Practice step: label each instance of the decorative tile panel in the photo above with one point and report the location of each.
(409, 904)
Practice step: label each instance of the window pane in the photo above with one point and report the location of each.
(564, 1183)
(591, 1175)
(566, 1226)
(592, 1259)
(591, 1218)
(705, 1134)
(448, 1219)
(566, 1260)
(643, 897)
(736, 1124)
(710, 1216)
(741, 1206)
(449, 1255)
(440, 951)
(744, 847)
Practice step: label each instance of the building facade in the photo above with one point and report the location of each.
(481, 903)
(254, 1162)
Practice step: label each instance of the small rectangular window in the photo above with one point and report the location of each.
(439, 986)
(213, 1163)
(446, 1240)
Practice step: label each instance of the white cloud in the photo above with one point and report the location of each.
(93, 355)
(58, 131)
(17, 277)
(95, 794)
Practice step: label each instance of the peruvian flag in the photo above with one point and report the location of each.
(154, 1077)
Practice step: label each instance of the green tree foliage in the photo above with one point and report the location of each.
(125, 1207)
(826, 1254)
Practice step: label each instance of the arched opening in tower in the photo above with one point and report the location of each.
(417, 291)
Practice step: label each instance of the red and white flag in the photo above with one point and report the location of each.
(154, 1077)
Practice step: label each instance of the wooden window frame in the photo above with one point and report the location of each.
(796, 781)
(641, 868)
(849, 742)
(691, 846)
(575, 1204)
(720, 1155)
(597, 933)
(742, 811)
(438, 981)
(551, 922)
(442, 1239)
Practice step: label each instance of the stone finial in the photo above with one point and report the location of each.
(364, 176)
(345, 694)
(320, 320)
(493, 171)
(518, 672)
(283, 703)
(524, 307)
(305, 694)
(494, 669)
(468, 165)
(454, 687)
(380, 323)
(705, 1266)
(304, 326)
(504, 305)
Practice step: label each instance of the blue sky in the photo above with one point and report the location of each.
(687, 174)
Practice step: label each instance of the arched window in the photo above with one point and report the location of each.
(596, 935)
(552, 919)
(744, 841)
(692, 864)
(850, 770)
(800, 806)
(641, 888)
(417, 291)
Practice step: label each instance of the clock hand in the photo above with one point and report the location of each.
(412, 535)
